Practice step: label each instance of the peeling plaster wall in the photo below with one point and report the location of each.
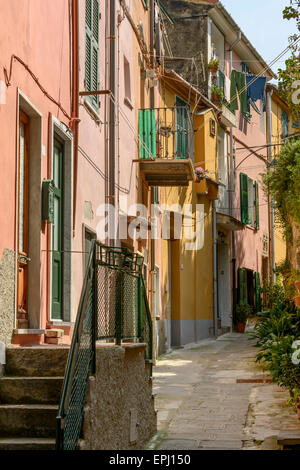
(7, 295)
(189, 38)
(119, 389)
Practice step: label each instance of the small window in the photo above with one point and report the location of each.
(249, 198)
(285, 124)
(127, 83)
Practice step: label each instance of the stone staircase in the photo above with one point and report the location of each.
(29, 396)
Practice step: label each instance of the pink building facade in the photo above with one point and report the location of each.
(61, 163)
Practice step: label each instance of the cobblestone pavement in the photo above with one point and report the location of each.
(205, 402)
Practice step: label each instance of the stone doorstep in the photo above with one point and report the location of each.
(50, 340)
(54, 333)
(289, 438)
(254, 380)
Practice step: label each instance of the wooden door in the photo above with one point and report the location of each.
(23, 193)
(57, 232)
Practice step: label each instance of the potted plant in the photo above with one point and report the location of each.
(213, 65)
(200, 173)
(242, 313)
(297, 285)
(217, 94)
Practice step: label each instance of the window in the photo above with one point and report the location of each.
(249, 198)
(127, 83)
(92, 48)
(285, 124)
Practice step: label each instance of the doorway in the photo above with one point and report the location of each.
(57, 231)
(23, 217)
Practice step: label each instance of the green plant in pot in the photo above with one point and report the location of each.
(217, 94)
(213, 65)
(241, 314)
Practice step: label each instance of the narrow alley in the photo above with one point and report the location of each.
(212, 395)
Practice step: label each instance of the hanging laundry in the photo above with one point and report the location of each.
(256, 90)
(238, 88)
(227, 88)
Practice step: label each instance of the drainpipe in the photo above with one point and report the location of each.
(215, 247)
(152, 105)
(75, 97)
(112, 87)
(271, 200)
(232, 186)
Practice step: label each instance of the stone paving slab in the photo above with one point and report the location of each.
(201, 405)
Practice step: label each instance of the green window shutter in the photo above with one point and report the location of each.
(242, 285)
(256, 205)
(257, 292)
(285, 123)
(92, 48)
(141, 133)
(181, 128)
(156, 198)
(245, 293)
(147, 133)
(244, 198)
(222, 81)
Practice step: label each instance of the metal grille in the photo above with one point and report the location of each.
(113, 306)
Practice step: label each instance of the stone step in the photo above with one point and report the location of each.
(51, 340)
(20, 443)
(289, 438)
(54, 333)
(30, 390)
(22, 323)
(28, 420)
(36, 361)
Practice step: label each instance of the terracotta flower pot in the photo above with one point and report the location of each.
(240, 327)
(297, 284)
(298, 410)
(213, 69)
(297, 300)
(216, 99)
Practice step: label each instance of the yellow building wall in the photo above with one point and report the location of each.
(276, 109)
(192, 270)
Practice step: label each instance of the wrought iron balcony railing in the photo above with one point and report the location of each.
(166, 133)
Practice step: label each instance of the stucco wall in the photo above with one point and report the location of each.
(187, 26)
(120, 388)
(7, 295)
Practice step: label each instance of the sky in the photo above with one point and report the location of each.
(262, 23)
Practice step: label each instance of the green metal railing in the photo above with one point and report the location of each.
(113, 306)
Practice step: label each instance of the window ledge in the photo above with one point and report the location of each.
(145, 5)
(128, 103)
(251, 227)
(93, 113)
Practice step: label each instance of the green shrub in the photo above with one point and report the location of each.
(275, 332)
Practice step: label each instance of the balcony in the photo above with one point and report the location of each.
(228, 117)
(166, 146)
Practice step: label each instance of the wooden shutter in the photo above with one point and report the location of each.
(147, 133)
(242, 285)
(256, 195)
(92, 48)
(244, 198)
(257, 292)
(181, 128)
